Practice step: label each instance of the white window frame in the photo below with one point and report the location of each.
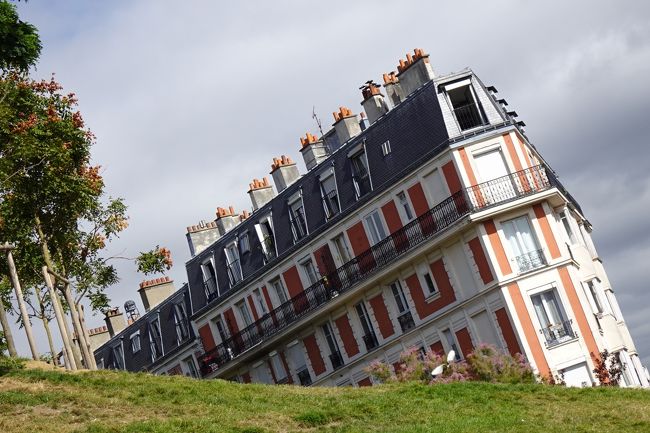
(345, 244)
(232, 276)
(283, 290)
(261, 236)
(182, 321)
(278, 367)
(260, 301)
(405, 206)
(294, 227)
(373, 222)
(308, 261)
(322, 178)
(205, 273)
(152, 338)
(423, 269)
(244, 312)
(119, 347)
(244, 242)
(133, 338)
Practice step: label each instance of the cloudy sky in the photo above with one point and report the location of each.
(191, 100)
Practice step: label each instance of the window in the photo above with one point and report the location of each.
(296, 356)
(341, 247)
(375, 228)
(369, 337)
(385, 148)
(310, 271)
(264, 231)
(330, 196)
(297, 220)
(335, 355)
(426, 279)
(190, 367)
(523, 244)
(234, 266)
(118, 357)
(260, 301)
(360, 174)
(405, 206)
(464, 104)
(244, 313)
(405, 318)
(155, 339)
(594, 297)
(567, 226)
(135, 342)
(555, 326)
(180, 321)
(279, 290)
(451, 342)
(278, 368)
(221, 329)
(435, 186)
(244, 243)
(209, 280)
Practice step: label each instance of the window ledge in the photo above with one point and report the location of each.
(432, 297)
(564, 343)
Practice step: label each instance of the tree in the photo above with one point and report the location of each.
(20, 45)
(157, 260)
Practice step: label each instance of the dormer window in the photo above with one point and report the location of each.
(181, 323)
(360, 174)
(209, 280)
(233, 263)
(465, 106)
(264, 231)
(297, 219)
(329, 194)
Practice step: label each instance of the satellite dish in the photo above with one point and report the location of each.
(451, 356)
(437, 371)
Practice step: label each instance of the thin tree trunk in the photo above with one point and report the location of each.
(76, 323)
(46, 325)
(60, 320)
(21, 304)
(82, 319)
(75, 348)
(11, 346)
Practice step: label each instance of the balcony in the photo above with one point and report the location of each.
(303, 376)
(406, 321)
(530, 261)
(381, 255)
(337, 360)
(468, 117)
(558, 333)
(370, 341)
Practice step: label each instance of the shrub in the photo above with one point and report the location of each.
(9, 364)
(489, 364)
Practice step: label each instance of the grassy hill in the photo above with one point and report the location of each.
(34, 400)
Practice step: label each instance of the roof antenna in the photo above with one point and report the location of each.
(318, 122)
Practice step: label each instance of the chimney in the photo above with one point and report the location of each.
(200, 236)
(284, 172)
(313, 150)
(393, 88)
(114, 321)
(153, 292)
(373, 101)
(261, 192)
(414, 71)
(346, 124)
(226, 219)
(98, 336)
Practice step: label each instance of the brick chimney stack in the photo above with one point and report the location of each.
(414, 71)
(153, 292)
(373, 101)
(261, 192)
(284, 172)
(202, 235)
(115, 321)
(393, 88)
(346, 124)
(313, 150)
(226, 219)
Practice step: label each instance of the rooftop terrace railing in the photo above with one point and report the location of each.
(382, 254)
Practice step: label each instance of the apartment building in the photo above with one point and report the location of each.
(430, 221)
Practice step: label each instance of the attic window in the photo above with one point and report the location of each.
(465, 105)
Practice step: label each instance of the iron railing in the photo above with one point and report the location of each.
(210, 287)
(337, 360)
(234, 272)
(370, 341)
(303, 376)
(509, 187)
(558, 333)
(406, 321)
(530, 261)
(468, 117)
(331, 202)
(369, 262)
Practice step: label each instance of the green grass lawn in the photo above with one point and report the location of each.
(52, 401)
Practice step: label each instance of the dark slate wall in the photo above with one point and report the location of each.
(416, 132)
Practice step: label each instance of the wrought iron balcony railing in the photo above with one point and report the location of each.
(530, 261)
(303, 376)
(337, 360)
(468, 117)
(558, 333)
(374, 259)
(406, 321)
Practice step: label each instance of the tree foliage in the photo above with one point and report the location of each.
(20, 45)
(157, 260)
